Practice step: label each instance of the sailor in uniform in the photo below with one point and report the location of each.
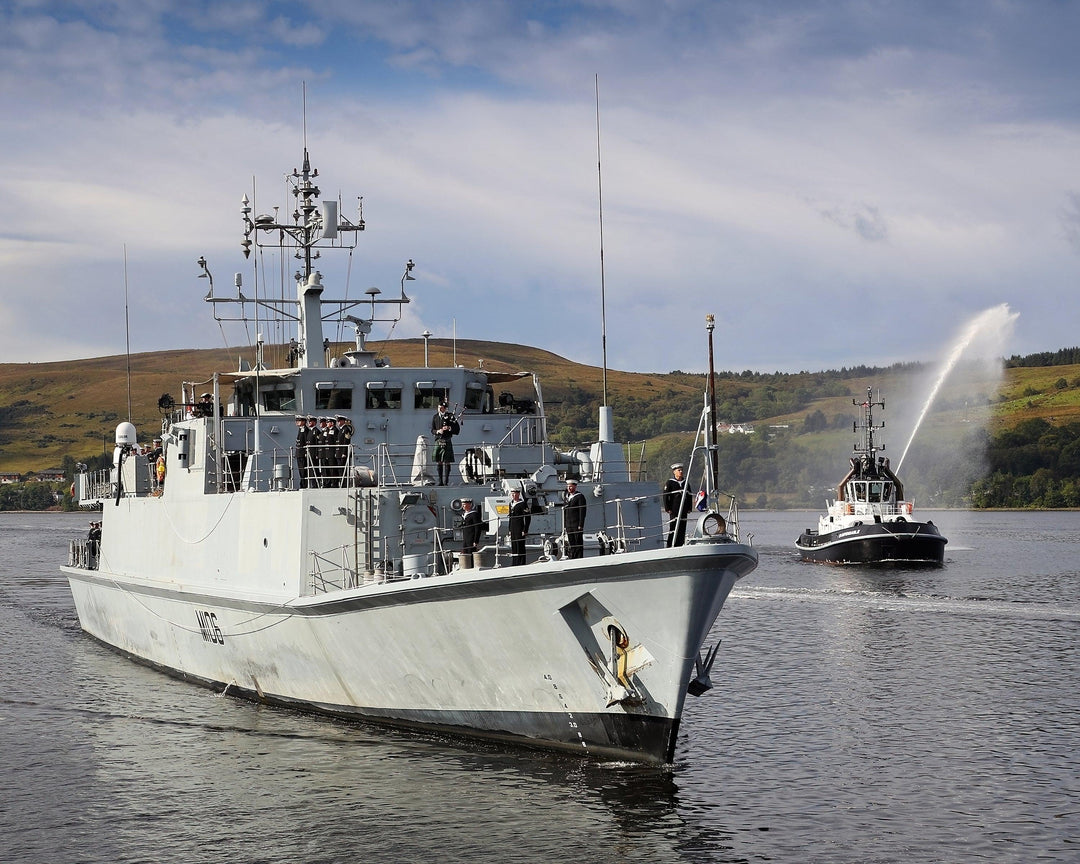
(301, 448)
(344, 445)
(311, 441)
(472, 526)
(331, 472)
(519, 527)
(677, 504)
(574, 519)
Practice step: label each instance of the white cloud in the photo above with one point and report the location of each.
(839, 186)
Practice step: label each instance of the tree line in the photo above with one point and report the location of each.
(1035, 465)
(1061, 357)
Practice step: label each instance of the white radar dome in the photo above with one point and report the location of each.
(125, 434)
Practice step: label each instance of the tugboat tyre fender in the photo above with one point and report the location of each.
(900, 519)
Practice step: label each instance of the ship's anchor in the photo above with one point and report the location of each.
(625, 662)
(702, 666)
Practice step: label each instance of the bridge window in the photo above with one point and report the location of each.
(330, 396)
(474, 396)
(280, 398)
(383, 394)
(428, 394)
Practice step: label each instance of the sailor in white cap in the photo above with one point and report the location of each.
(574, 519)
(312, 451)
(344, 445)
(472, 526)
(93, 539)
(331, 473)
(676, 504)
(301, 450)
(518, 526)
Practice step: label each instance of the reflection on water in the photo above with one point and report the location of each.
(308, 788)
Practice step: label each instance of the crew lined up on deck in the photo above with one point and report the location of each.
(322, 450)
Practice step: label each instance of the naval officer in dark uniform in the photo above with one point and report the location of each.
(472, 526)
(301, 450)
(574, 519)
(676, 504)
(519, 527)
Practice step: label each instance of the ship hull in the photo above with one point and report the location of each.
(878, 543)
(512, 654)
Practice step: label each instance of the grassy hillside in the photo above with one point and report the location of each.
(71, 408)
(803, 421)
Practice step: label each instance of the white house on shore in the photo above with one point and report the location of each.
(736, 428)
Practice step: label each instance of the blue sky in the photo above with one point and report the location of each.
(840, 183)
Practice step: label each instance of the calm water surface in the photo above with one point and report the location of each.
(859, 716)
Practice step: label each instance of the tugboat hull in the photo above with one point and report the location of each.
(880, 543)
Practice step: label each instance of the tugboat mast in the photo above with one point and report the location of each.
(868, 449)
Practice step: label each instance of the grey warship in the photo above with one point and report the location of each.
(337, 574)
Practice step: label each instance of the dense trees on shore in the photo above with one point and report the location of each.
(1061, 357)
(1037, 464)
(33, 495)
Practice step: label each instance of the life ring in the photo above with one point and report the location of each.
(906, 507)
(849, 509)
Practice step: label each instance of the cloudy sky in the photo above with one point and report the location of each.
(840, 183)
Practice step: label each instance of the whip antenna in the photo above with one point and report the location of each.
(127, 335)
(600, 196)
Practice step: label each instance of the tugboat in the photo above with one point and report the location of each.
(870, 522)
(525, 596)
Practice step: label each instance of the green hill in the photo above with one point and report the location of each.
(802, 421)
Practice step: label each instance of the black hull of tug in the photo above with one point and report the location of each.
(879, 543)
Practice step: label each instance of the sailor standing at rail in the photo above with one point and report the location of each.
(311, 441)
(518, 526)
(472, 526)
(676, 504)
(574, 519)
(301, 448)
(344, 445)
(331, 471)
(319, 451)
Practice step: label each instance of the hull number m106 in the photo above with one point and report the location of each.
(208, 626)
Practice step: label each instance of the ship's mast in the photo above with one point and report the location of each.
(315, 225)
(309, 225)
(868, 450)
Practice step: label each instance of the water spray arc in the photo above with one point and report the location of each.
(995, 320)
